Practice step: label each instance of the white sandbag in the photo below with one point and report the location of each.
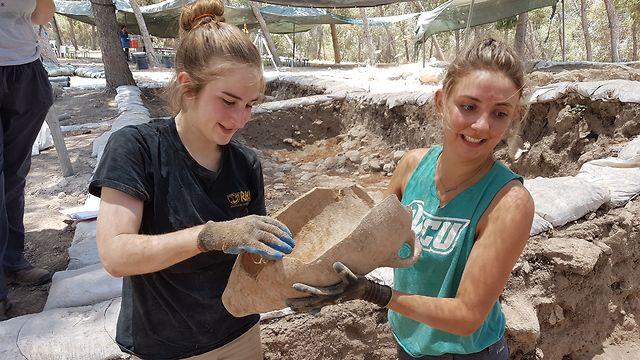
(90, 72)
(83, 250)
(59, 70)
(80, 333)
(99, 143)
(44, 140)
(621, 179)
(563, 199)
(85, 286)
(539, 225)
(626, 91)
(631, 151)
(35, 149)
(9, 330)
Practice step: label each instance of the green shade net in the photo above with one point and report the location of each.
(162, 18)
(454, 14)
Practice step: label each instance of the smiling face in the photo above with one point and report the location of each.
(223, 105)
(477, 113)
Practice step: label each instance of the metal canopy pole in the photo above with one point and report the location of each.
(466, 32)
(293, 58)
(564, 50)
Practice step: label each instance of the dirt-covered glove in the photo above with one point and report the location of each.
(351, 287)
(256, 234)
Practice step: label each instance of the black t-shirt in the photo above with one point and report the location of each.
(177, 312)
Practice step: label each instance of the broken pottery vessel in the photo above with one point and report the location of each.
(328, 225)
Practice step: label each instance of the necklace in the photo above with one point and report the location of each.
(447, 189)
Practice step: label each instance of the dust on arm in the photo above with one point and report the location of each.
(123, 251)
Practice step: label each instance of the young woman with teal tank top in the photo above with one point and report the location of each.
(471, 214)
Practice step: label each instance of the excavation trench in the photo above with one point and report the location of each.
(555, 308)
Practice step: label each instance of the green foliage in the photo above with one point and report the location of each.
(631, 7)
(507, 24)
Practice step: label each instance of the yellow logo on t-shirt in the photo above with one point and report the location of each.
(240, 198)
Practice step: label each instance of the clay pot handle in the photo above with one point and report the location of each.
(416, 250)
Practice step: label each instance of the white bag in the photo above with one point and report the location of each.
(44, 140)
(564, 199)
(620, 177)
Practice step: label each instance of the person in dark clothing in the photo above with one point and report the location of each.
(180, 199)
(25, 99)
(125, 42)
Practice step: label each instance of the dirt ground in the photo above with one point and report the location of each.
(48, 192)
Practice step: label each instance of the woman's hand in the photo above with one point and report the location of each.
(351, 287)
(256, 234)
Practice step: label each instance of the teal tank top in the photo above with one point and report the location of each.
(446, 235)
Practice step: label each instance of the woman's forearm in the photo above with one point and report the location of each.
(133, 254)
(44, 12)
(446, 314)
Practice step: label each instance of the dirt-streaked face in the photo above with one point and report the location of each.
(224, 105)
(477, 113)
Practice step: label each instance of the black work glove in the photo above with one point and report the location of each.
(351, 287)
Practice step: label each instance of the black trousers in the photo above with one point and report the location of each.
(25, 99)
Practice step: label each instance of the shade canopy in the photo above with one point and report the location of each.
(454, 14)
(162, 18)
(332, 3)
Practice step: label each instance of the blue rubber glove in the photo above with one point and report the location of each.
(255, 234)
(351, 287)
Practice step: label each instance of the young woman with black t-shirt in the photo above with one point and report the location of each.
(180, 199)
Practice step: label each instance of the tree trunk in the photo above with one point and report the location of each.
(367, 35)
(265, 32)
(614, 30)
(336, 46)
(116, 69)
(430, 50)
(406, 51)
(391, 45)
(359, 48)
(72, 32)
(439, 55)
(477, 34)
(560, 42)
(404, 41)
(94, 37)
(634, 41)
(57, 32)
(521, 34)
(322, 48)
(142, 25)
(536, 44)
(585, 29)
(457, 37)
(320, 35)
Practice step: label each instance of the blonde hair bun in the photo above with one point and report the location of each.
(201, 12)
